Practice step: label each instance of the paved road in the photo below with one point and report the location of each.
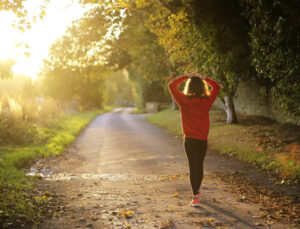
(119, 142)
(122, 163)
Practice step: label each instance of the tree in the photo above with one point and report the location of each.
(119, 89)
(138, 51)
(75, 67)
(14, 5)
(275, 48)
(208, 36)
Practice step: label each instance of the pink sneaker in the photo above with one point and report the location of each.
(196, 200)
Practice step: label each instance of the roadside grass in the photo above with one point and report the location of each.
(138, 111)
(18, 200)
(269, 145)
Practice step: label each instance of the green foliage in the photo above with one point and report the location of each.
(75, 69)
(19, 133)
(138, 51)
(17, 202)
(21, 117)
(169, 119)
(275, 47)
(207, 36)
(119, 89)
(145, 91)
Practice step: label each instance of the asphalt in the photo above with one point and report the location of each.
(123, 172)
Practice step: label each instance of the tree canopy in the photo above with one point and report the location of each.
(275, 48)
(75, 67)
(229, 41)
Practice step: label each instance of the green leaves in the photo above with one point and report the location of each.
(75, 68)
(275, 49)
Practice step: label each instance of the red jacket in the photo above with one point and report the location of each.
(194, 111)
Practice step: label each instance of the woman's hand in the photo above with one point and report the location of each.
(191, 75)
(168, 78)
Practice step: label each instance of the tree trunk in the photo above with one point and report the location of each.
(174, 105)
(230, 110)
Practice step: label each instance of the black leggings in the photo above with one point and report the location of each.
(195, 150)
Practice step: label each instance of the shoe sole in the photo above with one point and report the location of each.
(195, 205)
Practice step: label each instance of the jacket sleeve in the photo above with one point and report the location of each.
(215, 90)
(177, 95)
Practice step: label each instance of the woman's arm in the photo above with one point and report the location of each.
(215, 89)
(177, 95)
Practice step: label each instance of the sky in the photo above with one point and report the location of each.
(59, 15)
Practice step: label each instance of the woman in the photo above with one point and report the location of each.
(195, 104)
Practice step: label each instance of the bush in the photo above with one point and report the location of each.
(21, 116)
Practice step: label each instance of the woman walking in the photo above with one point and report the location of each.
(195, 103)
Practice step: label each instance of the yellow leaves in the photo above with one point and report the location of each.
(128, 225)
(143, 3)
(176, 194)
(127, 214)
(19, 14)
(21, 28)
(170, 210)
(42, 199)
(27, 54)
(42, 14)
(47, 193)
(172, 177)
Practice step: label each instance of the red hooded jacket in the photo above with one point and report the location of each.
(194, 111)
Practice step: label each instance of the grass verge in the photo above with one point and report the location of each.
(19, 204)
(138, 111)
(269, 145)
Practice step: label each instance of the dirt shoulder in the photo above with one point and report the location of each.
(123, 172)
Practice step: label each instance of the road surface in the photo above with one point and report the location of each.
(123, 172)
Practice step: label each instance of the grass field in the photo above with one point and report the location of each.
(269, 145)
(17, 198)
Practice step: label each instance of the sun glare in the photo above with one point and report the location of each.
(29, 49)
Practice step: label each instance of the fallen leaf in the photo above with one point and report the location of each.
(127, 214)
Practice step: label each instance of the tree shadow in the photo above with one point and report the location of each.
(226, 213)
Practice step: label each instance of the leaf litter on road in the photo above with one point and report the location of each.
(275, 205)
